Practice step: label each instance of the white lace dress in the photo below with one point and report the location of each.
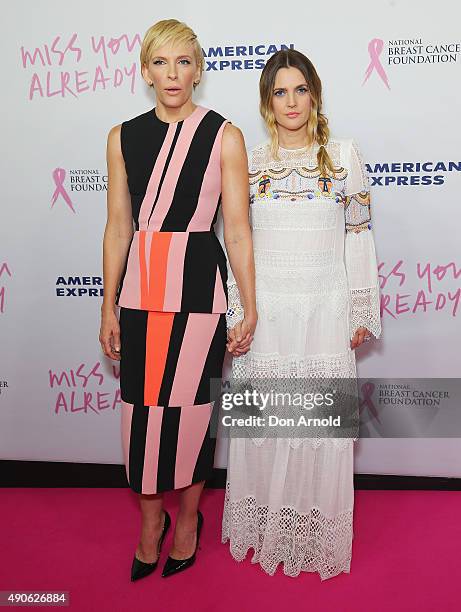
(291, 500)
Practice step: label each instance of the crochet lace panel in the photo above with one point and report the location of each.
(365, 310)
(309, 542)
(234, 312)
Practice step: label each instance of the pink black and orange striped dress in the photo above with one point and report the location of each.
(173, 299)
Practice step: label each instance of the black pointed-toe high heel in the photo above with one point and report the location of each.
(173, 566)
(139, 569)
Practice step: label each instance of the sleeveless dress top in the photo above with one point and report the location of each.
(175, 262)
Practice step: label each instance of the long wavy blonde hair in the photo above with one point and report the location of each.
(317, 124)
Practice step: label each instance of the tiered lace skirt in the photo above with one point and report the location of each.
(291, 500)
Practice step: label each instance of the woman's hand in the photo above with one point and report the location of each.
(109, 336)
(241, 336)
(361, 335)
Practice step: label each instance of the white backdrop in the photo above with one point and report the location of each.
(391, 81)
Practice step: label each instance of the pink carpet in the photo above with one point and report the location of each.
(405, 556)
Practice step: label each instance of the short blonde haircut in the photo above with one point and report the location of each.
(166, 32)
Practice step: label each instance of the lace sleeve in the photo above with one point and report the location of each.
(234, 312)
(360, 253)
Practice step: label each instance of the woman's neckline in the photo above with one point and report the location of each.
(156, 117)
(305, 148)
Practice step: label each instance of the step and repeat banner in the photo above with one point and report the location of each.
(391, 79)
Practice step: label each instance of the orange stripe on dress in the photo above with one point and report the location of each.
(158, 262)
(159, 325)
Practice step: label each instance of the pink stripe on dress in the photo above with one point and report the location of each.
(151, 451)
(219, 297)
(193, 425)
(170, 181)
(154, 181)
(174, 273)
(148, 243)
(130, 295)
(210, 189)
(126, 416)
(198, 335)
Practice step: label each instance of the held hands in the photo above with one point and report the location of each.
(109, 336)
(361, 335)
(240, 337)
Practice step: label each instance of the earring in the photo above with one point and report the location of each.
(196, 83)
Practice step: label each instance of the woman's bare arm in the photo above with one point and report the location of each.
(237, 231)
(117, 237)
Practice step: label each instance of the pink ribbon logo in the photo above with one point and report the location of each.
(367, 390)
(59, 174)
(375, 48)
(3, 268)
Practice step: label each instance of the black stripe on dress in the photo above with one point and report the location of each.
(213, 363)
(167, 163)
(141, 140)
(138, 435)
(122, 277)
(174, 348)
(204, 467)
(168, 447)
(133, 333)
(192, 174)
(199, 274)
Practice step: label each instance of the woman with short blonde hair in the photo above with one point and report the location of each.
(169, 170)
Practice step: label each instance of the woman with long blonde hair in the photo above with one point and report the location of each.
(169, 170)
(290, 497)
